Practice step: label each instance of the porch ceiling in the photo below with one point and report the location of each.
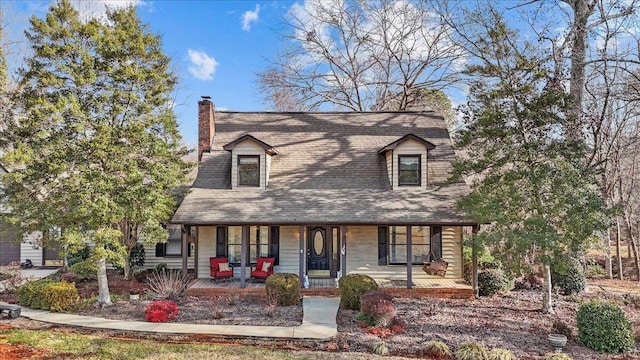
(329, 206)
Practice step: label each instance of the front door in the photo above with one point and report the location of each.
(318, 249)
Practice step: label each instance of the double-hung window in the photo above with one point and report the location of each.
(409, 170)
(261, 243)
(248, 170)
(420, 245)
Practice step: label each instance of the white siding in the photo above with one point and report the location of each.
(410, 147)
(247, 147)
(206, 249)
(362, 255)
(289, 250)
(173, 262)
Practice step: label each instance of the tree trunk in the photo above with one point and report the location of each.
(547, 305)
(104, 298)
(632, 242)
(618, 251)
(608, 265)
(582, 9)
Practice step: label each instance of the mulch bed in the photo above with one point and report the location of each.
(512, 321)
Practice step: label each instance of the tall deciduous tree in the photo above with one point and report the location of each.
(533, 186)
(360, 55)
(98, 151)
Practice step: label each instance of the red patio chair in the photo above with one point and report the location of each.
(263, 268)
(216, 272)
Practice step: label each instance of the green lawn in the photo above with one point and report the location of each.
(58, 345)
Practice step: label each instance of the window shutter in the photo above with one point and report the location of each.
(436, 242)
(274, 244)
(221, 241)
(161, 249)
(383, 244)
(188, 249)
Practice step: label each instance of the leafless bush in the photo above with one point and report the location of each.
(11, 277)
(167, 284)
(432, 307)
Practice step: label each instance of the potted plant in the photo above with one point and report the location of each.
(134, 294)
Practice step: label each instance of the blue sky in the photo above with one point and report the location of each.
(216, 47)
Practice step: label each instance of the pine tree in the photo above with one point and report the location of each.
(98, 150)
(531, 182)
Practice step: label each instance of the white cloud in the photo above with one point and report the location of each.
(250, 17)
(202, 66)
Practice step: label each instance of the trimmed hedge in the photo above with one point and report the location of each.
(572, 280)
(493, 281)
(283, 289)
(604, 327)
(46, 294)
(352, 287)
(86, 270)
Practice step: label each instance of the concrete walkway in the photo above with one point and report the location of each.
(318, 323)
(31, 274)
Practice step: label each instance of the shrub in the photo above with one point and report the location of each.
(60, 296)
(161, 311)
(381, 348)
(167, 284)
(529, 282)
(604, 327)
(501, 354)
(85, 270)
(365, 319)
(161, 267)
(78, 256)
(471, 351)
(492, 281)
(571, 279)
(595, 271)
(352, 287)
(283, 289)
(140, 274)
(556, 356)
(378, 306)
(137, 256)
(31, 294)
(438, 350)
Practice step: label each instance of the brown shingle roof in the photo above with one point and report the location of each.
(328, 170)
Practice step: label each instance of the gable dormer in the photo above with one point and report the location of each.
(406, 160)
(250, 162)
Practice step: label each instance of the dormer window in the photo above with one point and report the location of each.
(409, 170)
(248, 170)
(406, 160)
(250, 162)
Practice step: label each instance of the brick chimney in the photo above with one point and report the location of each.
(206, 125)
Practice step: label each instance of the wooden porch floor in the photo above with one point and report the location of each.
(438, 288)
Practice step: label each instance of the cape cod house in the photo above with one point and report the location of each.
(325, 194)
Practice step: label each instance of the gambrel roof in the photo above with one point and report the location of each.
(328, 171)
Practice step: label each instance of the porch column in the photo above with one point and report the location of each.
(185, 250)
(474, 263)
(409, 259)
(302, 266)
(244, 247)
(343, 250)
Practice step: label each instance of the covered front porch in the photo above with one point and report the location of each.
(420, 287)
(321, 254)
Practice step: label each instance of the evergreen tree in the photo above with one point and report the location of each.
(531, 183)
(98, 150)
